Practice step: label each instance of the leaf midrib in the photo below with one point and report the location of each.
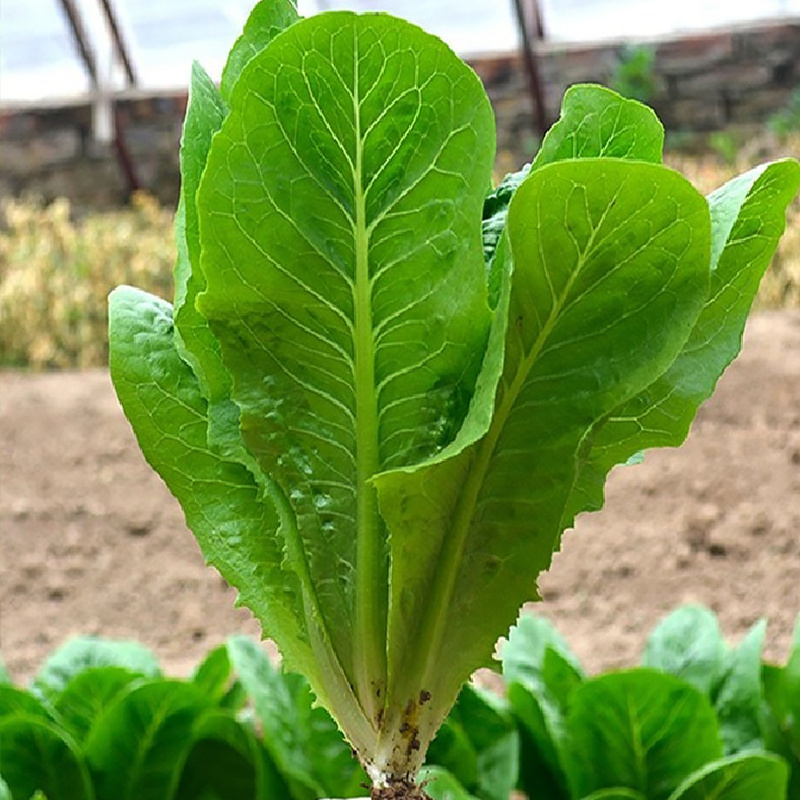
(369, 651)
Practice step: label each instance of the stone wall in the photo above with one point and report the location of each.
(703, 82)
(51, 152)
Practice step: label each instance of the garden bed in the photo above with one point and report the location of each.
(92, 542)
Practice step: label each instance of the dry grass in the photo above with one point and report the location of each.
(780, 287)
(56, 273)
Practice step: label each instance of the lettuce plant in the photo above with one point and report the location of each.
(688, 724)
(700, 719)
(384, 390)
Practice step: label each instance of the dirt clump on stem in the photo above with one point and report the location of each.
(400, 789)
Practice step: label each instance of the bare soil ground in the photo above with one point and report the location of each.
(93, 543)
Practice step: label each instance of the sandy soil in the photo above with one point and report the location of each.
(92, 542)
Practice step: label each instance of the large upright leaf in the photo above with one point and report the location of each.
(193, 338)
(610, 272)
(204, 115)
(747, 220)
(205, 112)
(342, 256)
(403, 444)
(195, 342)
(267, 19)
(235, 524)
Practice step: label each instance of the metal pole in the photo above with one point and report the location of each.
(123, 153)
(531, 67)
(536, 14)
(122, 51)
(79, 34)
(118, 136)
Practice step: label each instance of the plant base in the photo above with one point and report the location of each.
(399, 789)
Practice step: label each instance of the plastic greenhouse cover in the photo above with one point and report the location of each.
(39, 60)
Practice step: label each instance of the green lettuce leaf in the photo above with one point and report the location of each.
(595, 122)
(303, 741)
(541, 673)
(479, 745)
(227, 762)
(791, 671)
(736, 778)
(747, 220)
(205, 113)
(88, 695)
(542, 739)
(599, 306)
(347, 288)
(738, 694)
(193, 338)
(441, 785)
(524, 652)
(689, 645)
(267, 19)
(35, 755)
(639, 729)
(18, 701)
(781, 711)
(381, 396)
(213, 675)
(4, 676)
(234, 522)
(87, 652)
(138, 747)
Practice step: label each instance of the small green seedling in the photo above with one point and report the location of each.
(381, 395)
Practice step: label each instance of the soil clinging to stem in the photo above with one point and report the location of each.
(400, 789)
